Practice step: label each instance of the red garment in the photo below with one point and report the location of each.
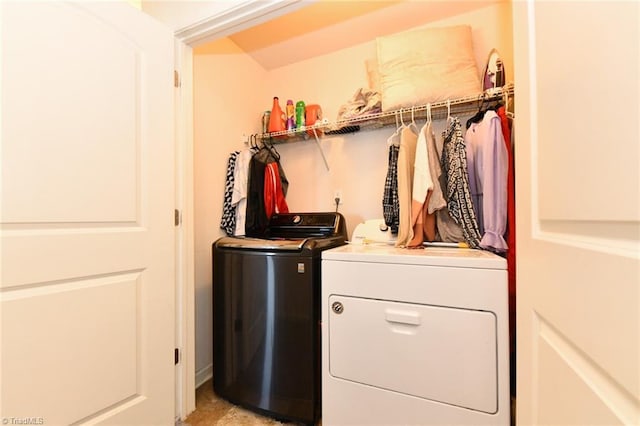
(511, 231)
(274, 201)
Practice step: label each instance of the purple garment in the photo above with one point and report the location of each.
(488, 165)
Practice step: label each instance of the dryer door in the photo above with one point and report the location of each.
(437, 353)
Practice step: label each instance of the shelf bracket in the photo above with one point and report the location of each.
(315, 134)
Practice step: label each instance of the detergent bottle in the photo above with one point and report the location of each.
(291, 122)
(277, 118)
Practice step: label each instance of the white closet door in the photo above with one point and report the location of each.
(87, 292)
(578, 204)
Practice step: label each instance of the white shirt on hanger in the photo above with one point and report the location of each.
(240, 186)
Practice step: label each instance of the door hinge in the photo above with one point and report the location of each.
(176, 356)
(176, 217)
(176, 79)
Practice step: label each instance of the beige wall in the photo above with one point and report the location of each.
(358, 162)
(135, 3)
(231, 91)
(225, 92)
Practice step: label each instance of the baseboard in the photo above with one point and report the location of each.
(203, 375)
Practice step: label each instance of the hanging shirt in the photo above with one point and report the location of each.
(488, 164)
(390, 202)
(406, 160)
(437, 200)
(228, 219)
(448, 230)
(257, 220)
(438, 224)
(458, 195)
(274, 201)
(422, 185)
(239, 193)
(511, 231)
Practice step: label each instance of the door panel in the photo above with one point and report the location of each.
(87, 288)
(75, 109)
(585, 78)
(571, 389)
(89, 346)
(578, 205)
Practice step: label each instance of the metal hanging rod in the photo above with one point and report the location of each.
(471, 101)
(386, 118)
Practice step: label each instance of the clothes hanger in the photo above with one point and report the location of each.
(505, 99)
(493, 105)
(273, 151)
(403, 125)
(479, 115)
(413, 126)
(394, 139)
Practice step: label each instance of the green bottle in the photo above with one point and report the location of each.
(300, 113)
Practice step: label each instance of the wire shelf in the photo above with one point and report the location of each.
(439, 110)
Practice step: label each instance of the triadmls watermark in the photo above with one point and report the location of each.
(23, 420)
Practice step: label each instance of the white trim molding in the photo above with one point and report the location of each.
(203, 375)
(237, 18)
(185, 257)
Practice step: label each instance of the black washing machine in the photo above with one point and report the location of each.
(266, 315)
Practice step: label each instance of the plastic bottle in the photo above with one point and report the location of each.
(277, 118)
(265, 121)
(291, 123)
(300, 113)
(313, 116)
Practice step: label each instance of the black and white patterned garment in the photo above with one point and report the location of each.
(228, 221)
(390, 200)
(458, 194)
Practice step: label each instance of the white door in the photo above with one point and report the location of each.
(577, 81)
(87, 293)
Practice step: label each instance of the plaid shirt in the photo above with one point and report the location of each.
(390, 201)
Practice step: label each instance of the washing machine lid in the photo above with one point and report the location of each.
(305, 225)
(247, 243)
(429, 256)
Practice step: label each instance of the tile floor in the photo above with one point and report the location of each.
(212, 410)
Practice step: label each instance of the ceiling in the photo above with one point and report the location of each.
(329, 25)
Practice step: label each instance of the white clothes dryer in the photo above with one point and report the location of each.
(414, 337)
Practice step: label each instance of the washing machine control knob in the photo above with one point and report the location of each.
(297, 219)
(337, 307)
